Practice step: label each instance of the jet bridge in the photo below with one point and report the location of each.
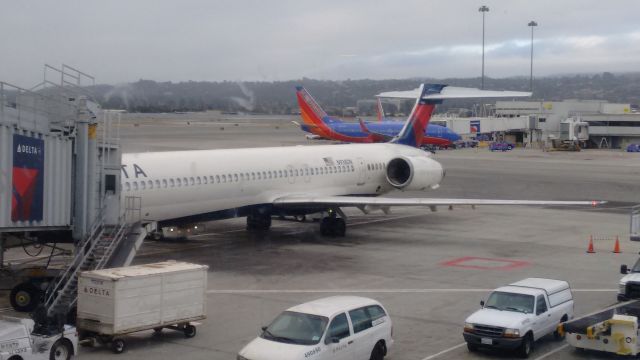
(60, 166)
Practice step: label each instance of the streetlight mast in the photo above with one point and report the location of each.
(531, 24)
(483, 9)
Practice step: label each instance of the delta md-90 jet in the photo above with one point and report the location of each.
(182, 188)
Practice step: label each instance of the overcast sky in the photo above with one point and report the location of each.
(122, 41)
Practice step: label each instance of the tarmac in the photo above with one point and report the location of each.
(429, 269)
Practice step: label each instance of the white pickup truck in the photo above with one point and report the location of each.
(18, 342)
(629, 286)
(518, 314)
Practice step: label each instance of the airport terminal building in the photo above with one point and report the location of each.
(610, 125)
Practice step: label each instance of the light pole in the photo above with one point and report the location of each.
(483, 9)
(531, 24)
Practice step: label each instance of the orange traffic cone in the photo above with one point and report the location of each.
(590, 249)
(616, 247)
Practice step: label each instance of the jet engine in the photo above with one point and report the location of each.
(414, 173)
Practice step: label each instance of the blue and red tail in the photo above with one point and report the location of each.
(413, 131)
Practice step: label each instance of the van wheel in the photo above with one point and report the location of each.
(378, 352)
(525, 348)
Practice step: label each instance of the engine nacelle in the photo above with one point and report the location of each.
(414, 173)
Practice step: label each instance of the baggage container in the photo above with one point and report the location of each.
(113, 302)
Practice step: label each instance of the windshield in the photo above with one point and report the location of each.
(510, 302)
(636, 267)
(296, 328)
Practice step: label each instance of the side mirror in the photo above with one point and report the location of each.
(482, 303)
(264, 328)
(623, 269)
(335, 340)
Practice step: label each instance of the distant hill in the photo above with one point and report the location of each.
(278, 97)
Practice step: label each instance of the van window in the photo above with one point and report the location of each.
(339, 328)
(360, 320)
(541, 305)
(375, 312)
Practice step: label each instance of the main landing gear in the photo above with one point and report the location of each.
(258, 221)
(333, 226)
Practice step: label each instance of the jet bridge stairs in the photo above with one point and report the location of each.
(106, 246)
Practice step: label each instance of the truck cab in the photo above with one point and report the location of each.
(18, 342)
(629, 286)
(517, 315)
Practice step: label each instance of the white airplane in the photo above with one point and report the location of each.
(182, 188)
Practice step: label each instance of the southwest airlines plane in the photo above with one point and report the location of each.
(316, 121)
(182, 188)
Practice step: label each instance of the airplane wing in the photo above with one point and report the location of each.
(358, 201)
(452, 92)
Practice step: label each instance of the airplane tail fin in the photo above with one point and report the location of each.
(310, 110)
(380, 110)
(413, 131)
(427, 96)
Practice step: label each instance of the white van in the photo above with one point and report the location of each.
(336, 328)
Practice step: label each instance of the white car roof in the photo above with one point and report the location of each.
(333, 305)
(551, 286)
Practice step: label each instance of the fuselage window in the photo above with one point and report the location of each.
(178, 182)
(235, 177)
(192, 181)
(290, 172)
(211, 179)
(142, 185)
(352, 168)
(127, 187)
(279, 173)
(246, 176)
(311, 171)
(198, 180)
(264, 175)
(224, 178)
(296, 172)
(164, 183)
(229, 178)
(150, 184)
(135, 186)
(158, 184)
(259, 177)
(204, 180)
(286, 174)
(172, 182)
(185, 181)
(369, 167)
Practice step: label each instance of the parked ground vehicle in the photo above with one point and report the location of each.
(336, 328)
(613, 330)
(118, 301)
(517, 315)
(501, 146)
(633, 148)
(18, 342)
(629, 286)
